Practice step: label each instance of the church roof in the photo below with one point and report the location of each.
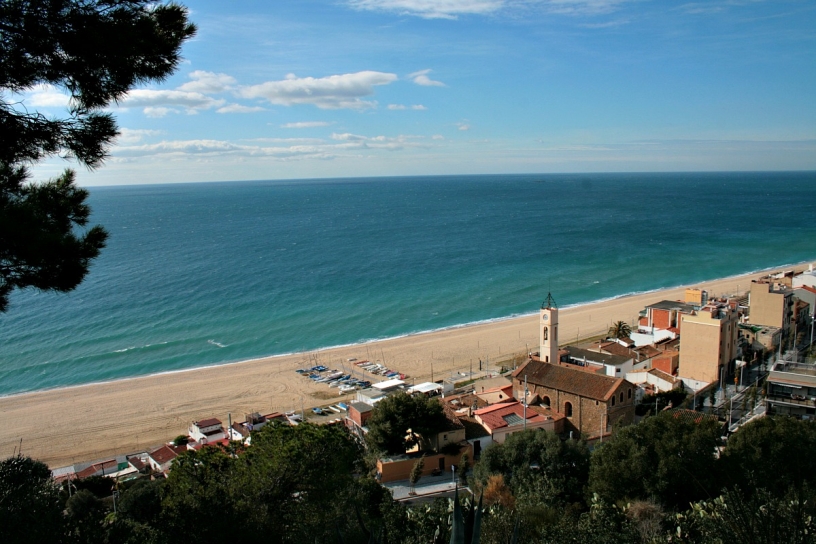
(562, 378)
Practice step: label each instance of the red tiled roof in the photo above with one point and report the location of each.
(495, 419)
(578, 382)
(222, 442)
(208, 422)
(662, 375)
(691, 415)
(136, 463)
(105, 466)
(613, 348)
(166, 453)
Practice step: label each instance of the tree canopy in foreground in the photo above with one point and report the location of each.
(96, 51)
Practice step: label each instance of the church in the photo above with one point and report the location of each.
(591, 401)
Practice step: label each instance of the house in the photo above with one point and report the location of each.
(476, 435)
(207, 430)
(708, 343)
(696, 297)
(759, 338)
(771, 305)
(502, 393)
(101, 468)
(652, 381)
(664, 315)
(452, 433)
(398, 467)
(791, 390)
(591, 402)
(502, 420)
(606, 363)
(161, 458)
(667, 361)
(356, 418)
(806, 278)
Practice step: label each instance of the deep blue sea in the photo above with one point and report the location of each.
(201, 274)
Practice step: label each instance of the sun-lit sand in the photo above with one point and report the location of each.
(89, 422)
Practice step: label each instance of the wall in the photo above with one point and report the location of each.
(767, 308)
(706, 345)
(668, 362)
(400, 469)
(588, 414)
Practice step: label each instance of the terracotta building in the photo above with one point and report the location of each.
(708, 343)
(591, 402)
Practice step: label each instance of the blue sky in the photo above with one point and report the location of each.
(346, 88)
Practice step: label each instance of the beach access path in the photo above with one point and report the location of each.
(82, 423)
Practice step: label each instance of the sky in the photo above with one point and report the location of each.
(294, 89)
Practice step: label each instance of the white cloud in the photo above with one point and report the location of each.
(46, 96)
(431, 9)
(607, 24)
(417, 107)
(129, 136)
(159, 103)
(342, 145)
(437, 137)
(451, 9)
(463, 126)
(421, 78)
(347, 136)
(208, 82)
(306, 124)
(238, 108)
(155, 112)
(583, 7)
(343, 91)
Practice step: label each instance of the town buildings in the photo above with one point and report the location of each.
(708, 342)
(791, 390)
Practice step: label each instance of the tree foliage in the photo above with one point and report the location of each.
(30, 507)
(619, 329)
(96, 51)
(397, 422)
(664, 457)
(758, 518)
(539, 467)
(773, 453)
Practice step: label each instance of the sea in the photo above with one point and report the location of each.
(200, 274)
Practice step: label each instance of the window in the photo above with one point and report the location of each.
(621, 396)
(630, 394)
(568, 409)
(613, 401)
(546, 401)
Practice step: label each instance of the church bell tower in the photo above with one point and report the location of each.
(548, 327)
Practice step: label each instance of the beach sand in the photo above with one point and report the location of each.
(96, 421)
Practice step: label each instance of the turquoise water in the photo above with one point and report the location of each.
(201, 274)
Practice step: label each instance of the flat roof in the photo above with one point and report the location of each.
(671, 305)
(387, 384)
(426, 387)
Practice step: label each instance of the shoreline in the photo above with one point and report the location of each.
(89, 421)
(371, 341)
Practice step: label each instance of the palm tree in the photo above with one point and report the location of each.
(619, 329)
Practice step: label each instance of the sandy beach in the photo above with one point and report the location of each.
(83, 423)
